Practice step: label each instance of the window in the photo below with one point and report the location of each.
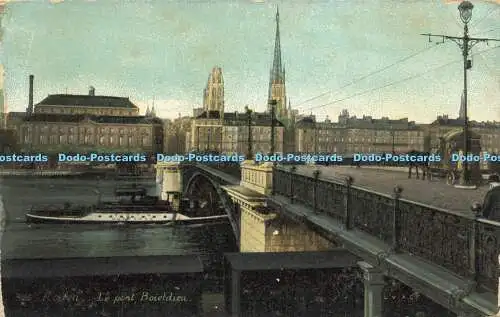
(121, 140)
(71, 139)
(130, 142)
(62, 139)
(101, 140)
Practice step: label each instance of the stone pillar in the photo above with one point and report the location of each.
(235, 293)
(374, 289)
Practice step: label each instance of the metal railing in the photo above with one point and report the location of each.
(465, 244)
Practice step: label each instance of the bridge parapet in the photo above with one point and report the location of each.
(257, 177)
(464, 244)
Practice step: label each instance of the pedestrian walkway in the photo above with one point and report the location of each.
(435, 192)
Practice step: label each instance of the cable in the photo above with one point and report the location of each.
(366, 76)
(487, 31)
(485, 17)
(396, 82)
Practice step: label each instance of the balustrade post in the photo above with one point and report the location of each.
(347, 204)
(273, 180)
(474, 251)
(292, 191)
(374, 289)
(396, 220)
(316, 174)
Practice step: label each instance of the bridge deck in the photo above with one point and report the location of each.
(435, 192)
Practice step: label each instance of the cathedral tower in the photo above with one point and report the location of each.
(277, 89)
(213, 94)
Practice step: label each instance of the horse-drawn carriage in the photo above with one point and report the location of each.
(451, 166)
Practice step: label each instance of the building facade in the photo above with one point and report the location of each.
(489, 132)
(85, 123)
(354, 135)
(214, 130)
(231, 135)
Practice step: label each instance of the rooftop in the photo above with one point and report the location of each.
(55, 117)
(87, 101)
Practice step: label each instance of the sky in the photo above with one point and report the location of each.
(163, 51)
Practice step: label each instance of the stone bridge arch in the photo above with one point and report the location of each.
(191, 176)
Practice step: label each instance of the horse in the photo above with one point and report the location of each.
(423, 166)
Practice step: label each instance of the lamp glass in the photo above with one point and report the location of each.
(465, 9)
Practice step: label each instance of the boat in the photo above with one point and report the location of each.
(139, 208)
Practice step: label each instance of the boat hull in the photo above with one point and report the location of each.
(161, 219)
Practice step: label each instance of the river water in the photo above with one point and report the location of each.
(29, 241)
(21, 240)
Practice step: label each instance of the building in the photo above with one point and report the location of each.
(85, 123)
(489, 132)
(277, 92)
(215, 130)
(176, 135)
(231, 135)
(277, 78)
(353, 135)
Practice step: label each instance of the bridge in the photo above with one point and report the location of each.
(424, 234)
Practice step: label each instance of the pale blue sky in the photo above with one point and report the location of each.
(166, 49)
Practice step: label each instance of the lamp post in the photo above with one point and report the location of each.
(198, 139)
(273, 103)
(248, 112)
(315, 137)
(208, 139)
(393, 143)
(466, 43)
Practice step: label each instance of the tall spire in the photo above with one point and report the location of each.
(277, 89)
(461, 113)
(277, 70)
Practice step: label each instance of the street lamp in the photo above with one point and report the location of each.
(208, 139)
(393, 138)
(273, 103)
(465, 43)
(315, 137)
(248, 112)
(198, 139)
(465, 9)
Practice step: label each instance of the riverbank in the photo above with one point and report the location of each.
(72, 173)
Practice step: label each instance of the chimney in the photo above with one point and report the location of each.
(30, 97)
(91, 91)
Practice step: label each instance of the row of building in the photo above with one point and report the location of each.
(82, 124)
(92, 123)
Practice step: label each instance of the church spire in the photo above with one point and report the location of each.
(152, 113)
(277, 70)
(277, 77)
(461, 112)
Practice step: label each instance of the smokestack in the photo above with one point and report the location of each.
(91, 91)
(30, 96)
(30, 100)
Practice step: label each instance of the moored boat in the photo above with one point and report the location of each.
(139, 208)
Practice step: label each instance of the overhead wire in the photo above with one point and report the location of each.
(485, 17)
(396, 82)
(366, 76)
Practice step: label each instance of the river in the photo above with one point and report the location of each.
(28, 241)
